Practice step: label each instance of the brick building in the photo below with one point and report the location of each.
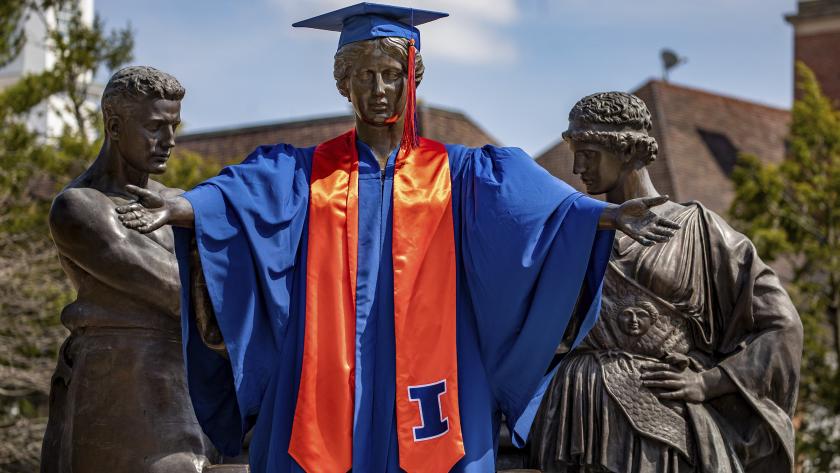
(816, 42)
(700, 134)
(225, 145)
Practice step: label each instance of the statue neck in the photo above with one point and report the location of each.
(382, 139)
(110, 172)
(636, 183)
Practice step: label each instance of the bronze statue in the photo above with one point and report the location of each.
(119, 400)
(693, 365)
(253, 315)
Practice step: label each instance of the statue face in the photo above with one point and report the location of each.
(375, 86)
(635, 321)
(600, 169)
(146, 135)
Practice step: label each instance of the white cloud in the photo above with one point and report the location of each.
(475, 32)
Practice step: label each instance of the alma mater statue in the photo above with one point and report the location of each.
(118, 400)
(693, 365)
(378, 301)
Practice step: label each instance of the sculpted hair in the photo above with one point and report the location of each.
(616, 120)
(397, 48)
(135, 83)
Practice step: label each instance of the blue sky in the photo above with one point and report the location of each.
(515, 66)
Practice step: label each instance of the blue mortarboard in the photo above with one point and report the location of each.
(371, 20)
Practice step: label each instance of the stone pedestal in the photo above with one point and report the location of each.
(227, 469)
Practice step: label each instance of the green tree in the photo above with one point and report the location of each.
(792, 213)
(33, 169)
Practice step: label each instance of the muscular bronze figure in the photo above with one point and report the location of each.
(694, 363)
(119, 401)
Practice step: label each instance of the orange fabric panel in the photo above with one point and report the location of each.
(322, 433)
(424, 303)
(424, 308)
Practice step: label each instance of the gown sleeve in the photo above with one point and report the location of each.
(248, 225)
(534, 262)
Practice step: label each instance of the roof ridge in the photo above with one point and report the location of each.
(260, 126)
(709, 93)
(459, 114)
(267, 125)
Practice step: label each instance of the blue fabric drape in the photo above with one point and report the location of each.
(529, 258)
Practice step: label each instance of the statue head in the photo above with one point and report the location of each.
(372, 75)
(141, 108)
(609, 136)
(636, 321)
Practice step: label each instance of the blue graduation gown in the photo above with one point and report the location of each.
(529, 258)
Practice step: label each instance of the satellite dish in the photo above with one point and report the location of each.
(670, 60)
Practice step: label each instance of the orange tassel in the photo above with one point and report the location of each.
(410, 138)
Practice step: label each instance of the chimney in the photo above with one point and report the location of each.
(816, 30)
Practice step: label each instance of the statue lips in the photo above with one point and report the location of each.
(382, 108)
(588, 182)
(159, 161)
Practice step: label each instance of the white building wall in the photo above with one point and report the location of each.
(50, 117)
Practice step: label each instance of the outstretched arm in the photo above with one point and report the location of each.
(637, 221)
(153, 210)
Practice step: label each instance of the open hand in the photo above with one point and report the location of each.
(637, 221)
(147, 214)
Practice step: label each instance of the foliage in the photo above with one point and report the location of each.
(186, 169)
(12, 39)
(792, 213)
(33, 288)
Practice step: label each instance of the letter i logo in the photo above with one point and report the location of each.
(427, 396)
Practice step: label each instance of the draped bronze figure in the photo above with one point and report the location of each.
(694, 363)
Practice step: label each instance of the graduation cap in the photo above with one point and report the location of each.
(365, 21)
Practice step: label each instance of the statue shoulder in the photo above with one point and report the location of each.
(719, 229)
(166, 192)
(77, 213)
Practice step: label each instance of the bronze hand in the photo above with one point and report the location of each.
(637, 221)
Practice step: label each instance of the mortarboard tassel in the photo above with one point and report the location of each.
(409, 138)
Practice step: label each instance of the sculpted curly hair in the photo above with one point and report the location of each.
(131, 84)
(616, 120)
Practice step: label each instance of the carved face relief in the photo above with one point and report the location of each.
(376, 86)
(600, 169)
(635, 321)
(146, 134)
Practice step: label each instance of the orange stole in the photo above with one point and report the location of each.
(322, 432)
(424, 308)
(424, 303)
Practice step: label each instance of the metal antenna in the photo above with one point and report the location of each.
(670, 60)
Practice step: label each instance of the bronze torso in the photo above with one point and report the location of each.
(688, 302)
(119, 401)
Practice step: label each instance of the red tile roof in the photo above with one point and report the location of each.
(229, 144)
(700, 135)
